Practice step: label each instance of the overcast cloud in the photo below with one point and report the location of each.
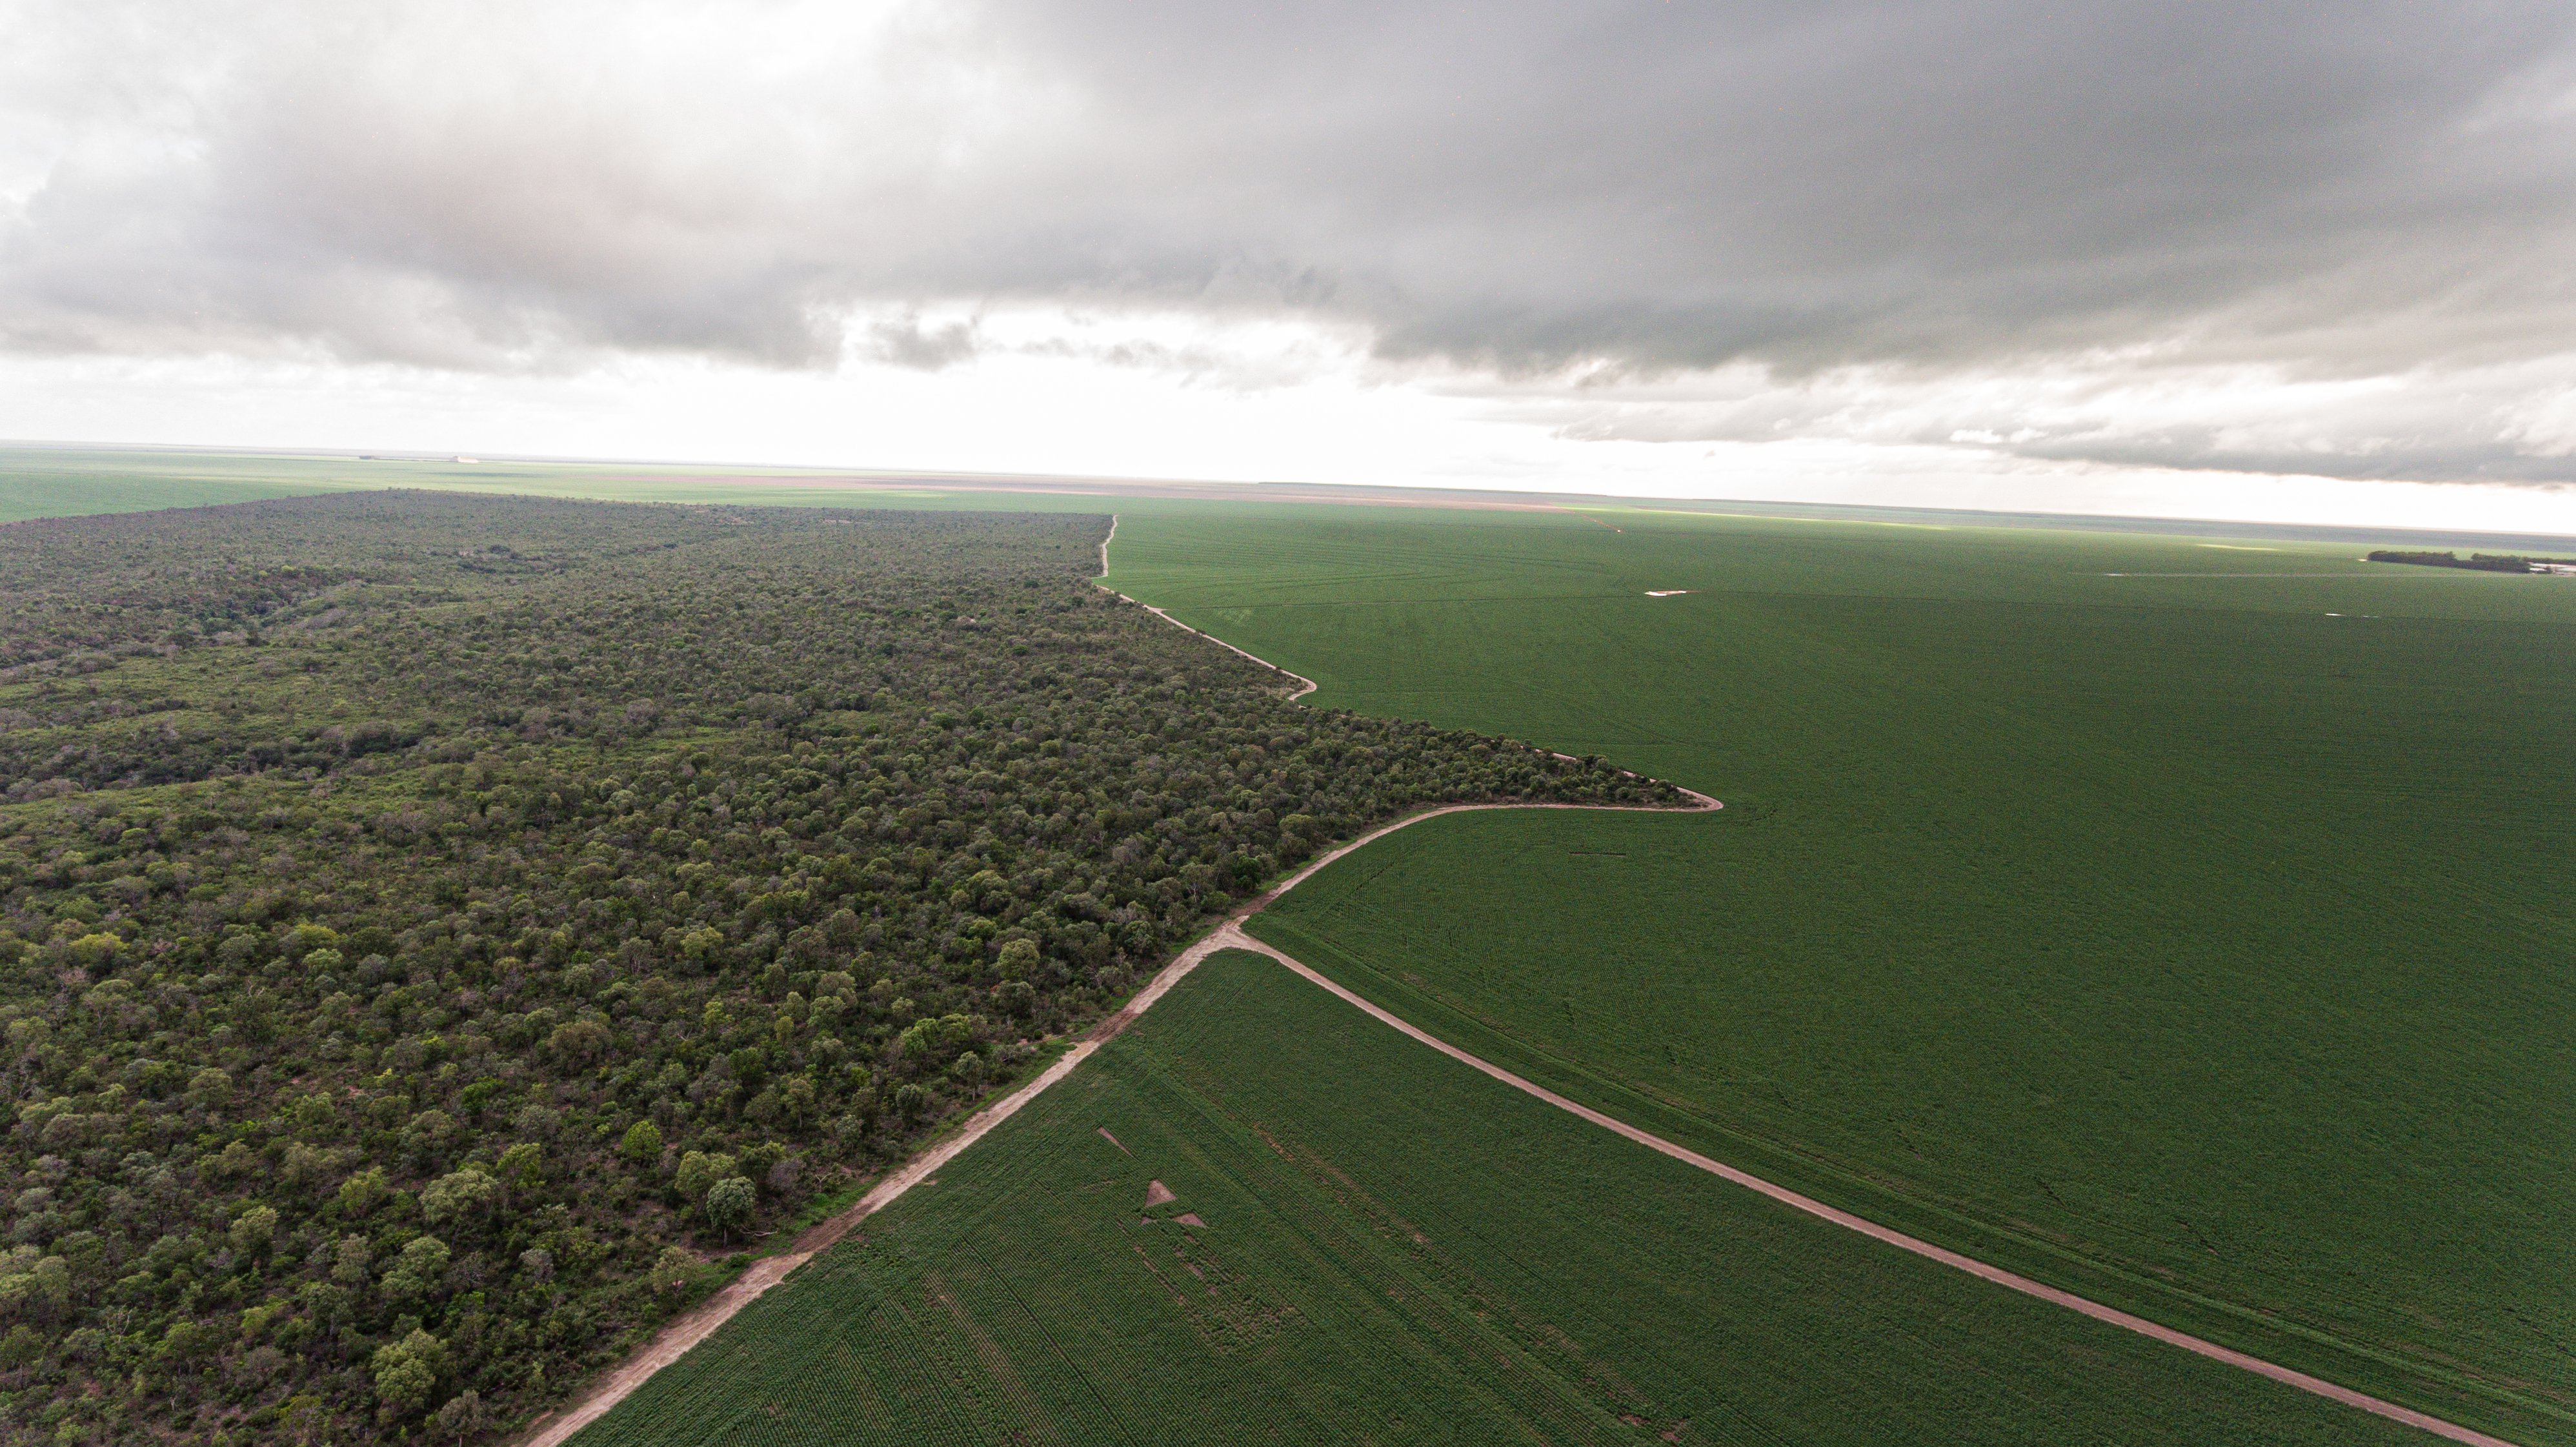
(2296, 238)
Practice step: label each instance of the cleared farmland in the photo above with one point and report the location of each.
(2168, 918)
(2182, 923)
(1392, 1248)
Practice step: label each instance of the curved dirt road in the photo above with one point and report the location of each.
(694, 1326)
(1305, 685)
(1228, 936)
(675, 1339)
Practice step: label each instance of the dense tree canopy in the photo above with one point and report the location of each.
(436, 926)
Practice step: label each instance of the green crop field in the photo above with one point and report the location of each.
(2183, 922)
(1393, 1249)
(55, 484)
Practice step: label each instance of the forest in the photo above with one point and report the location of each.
(444, 935)
(2481, 562)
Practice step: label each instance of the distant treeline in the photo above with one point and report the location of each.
(2483, 562)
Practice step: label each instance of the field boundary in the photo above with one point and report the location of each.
(1230, 935)
(676, 1338)
(680, 1335)
(686, 1331)
(1304, 684)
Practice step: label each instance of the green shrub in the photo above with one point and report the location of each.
(729, 1204)
(407, 1372)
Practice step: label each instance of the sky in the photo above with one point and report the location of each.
(2295, 262)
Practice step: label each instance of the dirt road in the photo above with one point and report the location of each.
(1228, 936)
(675, 1340)
(1304, 684)
(686, 1331)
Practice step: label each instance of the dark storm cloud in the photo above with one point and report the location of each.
(1820, 183)
(2322, 190)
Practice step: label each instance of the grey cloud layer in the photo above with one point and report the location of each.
(1931, 188)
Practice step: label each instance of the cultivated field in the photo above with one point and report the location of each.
(2177, 920)
(2163, 935)
(1369, 1242)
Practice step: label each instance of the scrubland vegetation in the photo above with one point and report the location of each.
(439, 931)
(2478, 562)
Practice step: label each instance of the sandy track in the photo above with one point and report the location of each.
(1304, 684)
(674, 1340)
(686, 1332)
(1230, 935)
